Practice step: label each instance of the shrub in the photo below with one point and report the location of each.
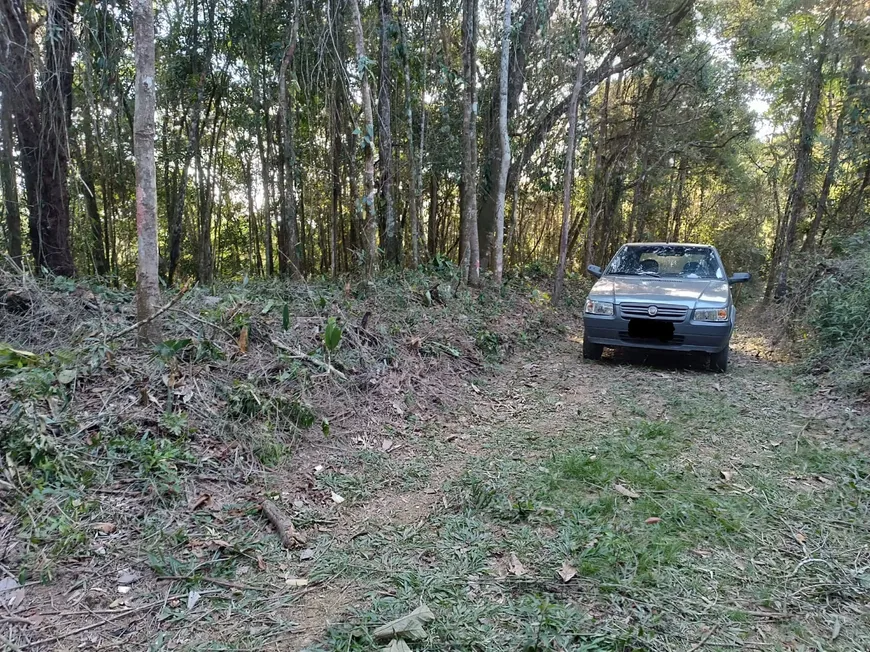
(837, 320)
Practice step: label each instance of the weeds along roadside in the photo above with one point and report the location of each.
(247, 376)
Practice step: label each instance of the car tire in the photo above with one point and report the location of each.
(592, 351)
(719, 361)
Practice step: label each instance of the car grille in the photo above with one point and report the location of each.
(641, 311)
(675, 340)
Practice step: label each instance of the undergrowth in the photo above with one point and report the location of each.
(247, 376)
(835, 317)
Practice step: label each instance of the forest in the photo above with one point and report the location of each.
(291, 325)
(316, 139)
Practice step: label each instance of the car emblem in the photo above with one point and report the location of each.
(653, 311)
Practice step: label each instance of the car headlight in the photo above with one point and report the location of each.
(599, 307)
(711, 314)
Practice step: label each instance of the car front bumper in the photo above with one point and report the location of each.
(691, 336)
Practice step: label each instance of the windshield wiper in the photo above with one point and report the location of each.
(640, 273)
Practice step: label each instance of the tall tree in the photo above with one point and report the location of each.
(570, 149)
(468, 214)
(368, 137)
(147, 288)
(504, 143)
(802, 166)
(288, 254)
(390, 237)
(42, 122)
(9, 186)
(414, 170)
(834, 155)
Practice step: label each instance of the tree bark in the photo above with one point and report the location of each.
(834, 157)
(531, 15)
(288, 242)
(335, 156)
(42, 124)
(368, 136)
(147, 289)
(679, 207)
(390, 236)
(471, 255)
(9, 185)
(254, 255)
(264, 149)
(570, 149)
(803, 163)
(432, 240)
(504, 144)
(414, 172)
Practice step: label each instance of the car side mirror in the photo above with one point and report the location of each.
(739, 277)
(595, 270)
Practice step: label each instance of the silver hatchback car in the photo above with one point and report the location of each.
(666, 296)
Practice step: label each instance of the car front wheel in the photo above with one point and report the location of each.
(592, 351)
(719, 361)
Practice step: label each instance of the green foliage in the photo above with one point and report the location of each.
(285, 317)
(332, 335)
(489, 343)
(171, 349)
(243, 400)
(174, 422)
(296, 411)
(12, 360)
(207, 351)
(837, 320)
(840, 309)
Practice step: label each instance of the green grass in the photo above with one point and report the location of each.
(724, 553)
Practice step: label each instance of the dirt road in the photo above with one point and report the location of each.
(619, 505)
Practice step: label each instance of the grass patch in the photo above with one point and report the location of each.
(728, 548)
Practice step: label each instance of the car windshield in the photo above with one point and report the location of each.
(671, 261)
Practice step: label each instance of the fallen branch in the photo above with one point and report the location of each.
(178, 297)
(289, 537)
(104, 621)
(299, 355)
(704, 640)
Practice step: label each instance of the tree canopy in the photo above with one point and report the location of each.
(309, 137)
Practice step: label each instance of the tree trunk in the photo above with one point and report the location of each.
(471, 255)
(9, 185)
(367, 133)
(803, 163)
(679, 207)
(264, 149)
(253, 235)
(205, 212)
(390, 236)
(147, 288)
(432, 240)
(570, 149)
(42, 124)
(505, 145)
(834, 158)
(414, 172)
(335, 156)
(596, 204)
(86, 176)
(357, 227)
(288, 241)
(531, 15)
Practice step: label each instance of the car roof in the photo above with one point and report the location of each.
(667, 244)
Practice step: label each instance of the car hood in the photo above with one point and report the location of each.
(684, 292)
